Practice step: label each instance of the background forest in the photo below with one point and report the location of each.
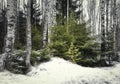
(85, 32)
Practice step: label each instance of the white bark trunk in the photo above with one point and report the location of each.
(45, 19)
(67, 10)
(114, 26)
(28, 33)
(118, 31)
(11, 25)
(67, 15)
(51, 17)
(49, 12)
(102, 11)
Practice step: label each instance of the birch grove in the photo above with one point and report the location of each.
(52, 25)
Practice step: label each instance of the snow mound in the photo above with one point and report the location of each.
(59, 71)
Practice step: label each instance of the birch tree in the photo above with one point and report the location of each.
(81, 11)
(67, 14)
(18, 26)
(1, 25)
(102, 11)
(92, 15)
(68, 10)
(1, 20)
(114, 26)
(11, 25)
(118, 31)
(28, 33)
(45, 17)
(49, 18)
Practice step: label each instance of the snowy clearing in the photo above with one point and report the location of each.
(59, 71)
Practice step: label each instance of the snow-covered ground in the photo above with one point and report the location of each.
(59, 71)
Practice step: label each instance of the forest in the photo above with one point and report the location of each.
(82, 33)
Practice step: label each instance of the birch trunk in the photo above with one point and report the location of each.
(51, 17)
(11, 25)
(102, 11)
(92, 16)
(118, 31)
(114, 26)
(18, 28)
(28, 33)
(67, 15)
(1, 30)
(45, 19)
(67, 10)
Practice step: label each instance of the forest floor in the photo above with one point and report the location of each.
(59, 71)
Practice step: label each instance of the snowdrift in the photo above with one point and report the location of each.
(59, 71)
